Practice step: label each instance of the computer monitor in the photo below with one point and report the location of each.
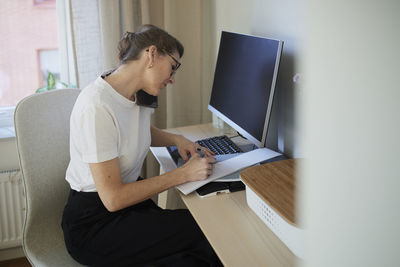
(244, 83)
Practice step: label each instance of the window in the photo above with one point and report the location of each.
(29, 50)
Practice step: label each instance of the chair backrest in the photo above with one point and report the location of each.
(42, 133)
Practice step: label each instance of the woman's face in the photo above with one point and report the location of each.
(162, 72)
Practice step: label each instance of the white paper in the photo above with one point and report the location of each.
(229, 166)
(164, 158)
(233, 177)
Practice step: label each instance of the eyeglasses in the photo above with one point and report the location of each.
(176, 67)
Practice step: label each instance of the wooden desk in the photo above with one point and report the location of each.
(237, 235)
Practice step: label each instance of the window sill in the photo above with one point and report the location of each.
(7, 122)
(7, 132)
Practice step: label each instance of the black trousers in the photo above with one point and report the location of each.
(140, 235)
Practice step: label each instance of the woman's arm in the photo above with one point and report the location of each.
(162, 138)
(116, 195)
(184, 145)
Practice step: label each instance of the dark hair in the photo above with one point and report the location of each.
(132, 43)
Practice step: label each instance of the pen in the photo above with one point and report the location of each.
(201, 153)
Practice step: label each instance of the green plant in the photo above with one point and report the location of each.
(53, 84)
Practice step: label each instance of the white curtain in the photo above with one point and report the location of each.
(94, 28)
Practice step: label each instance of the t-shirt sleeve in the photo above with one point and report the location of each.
(99, 135)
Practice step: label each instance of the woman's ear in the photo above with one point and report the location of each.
(151, 54)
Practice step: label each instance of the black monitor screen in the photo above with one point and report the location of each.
(244, 83)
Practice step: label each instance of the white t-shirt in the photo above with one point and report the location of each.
(105, 125)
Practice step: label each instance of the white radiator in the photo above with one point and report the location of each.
(12, 208)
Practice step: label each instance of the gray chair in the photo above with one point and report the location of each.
(42, 133)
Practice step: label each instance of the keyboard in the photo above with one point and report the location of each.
(220, 145)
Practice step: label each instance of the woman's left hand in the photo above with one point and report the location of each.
(186, 147)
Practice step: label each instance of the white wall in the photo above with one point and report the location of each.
(350, 188)
(349, 103)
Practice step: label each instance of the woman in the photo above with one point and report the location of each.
(109, 219)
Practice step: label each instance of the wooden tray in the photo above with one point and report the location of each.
(275, 183)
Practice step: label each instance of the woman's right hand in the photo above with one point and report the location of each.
(198, 168)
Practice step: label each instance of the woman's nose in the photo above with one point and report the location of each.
(171, 80)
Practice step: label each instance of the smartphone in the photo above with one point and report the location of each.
(146, 100)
